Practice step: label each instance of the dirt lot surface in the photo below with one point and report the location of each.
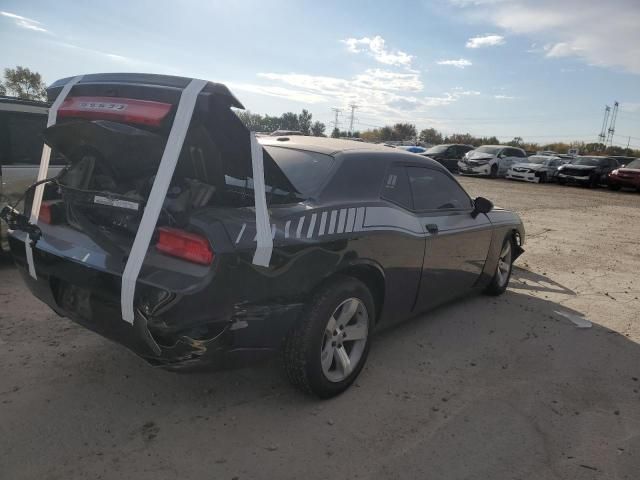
(504, 388)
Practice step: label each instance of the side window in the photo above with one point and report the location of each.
(25, 138)
(396, 187)
(519, 153)
(613, 163)
(434, 190)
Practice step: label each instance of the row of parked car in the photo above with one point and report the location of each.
(514, 163)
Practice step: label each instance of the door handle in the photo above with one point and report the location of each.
(432, 228)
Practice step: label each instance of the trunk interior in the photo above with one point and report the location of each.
(113, 163)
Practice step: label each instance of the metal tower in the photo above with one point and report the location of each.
(612, 126)
(603, 130)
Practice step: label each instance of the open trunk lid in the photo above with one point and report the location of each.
(113, 128)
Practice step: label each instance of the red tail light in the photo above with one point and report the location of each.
(128, 110)
(46, 213)
(188, 246)
(51, 212)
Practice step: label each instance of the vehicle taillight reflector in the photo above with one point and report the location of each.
(46, 213)
(188, 246)
(128, 110)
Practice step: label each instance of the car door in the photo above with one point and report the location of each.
(21, 152)
(456, 243)
(507, 157)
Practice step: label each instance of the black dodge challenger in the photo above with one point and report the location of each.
(364, 236)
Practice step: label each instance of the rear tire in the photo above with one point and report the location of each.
(613, 187)
(562, 181)
(504, 266)
(328, 347)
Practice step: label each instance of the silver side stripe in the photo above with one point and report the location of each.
(359, 219)
(287, 226)
(323, 222)
(299, 230)
(312, 225)
(343, 216)
(351, 218)
(239, 237)
(332, 222)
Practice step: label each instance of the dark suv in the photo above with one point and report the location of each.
(587, 171)
(448, 154)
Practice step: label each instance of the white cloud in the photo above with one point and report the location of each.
(460, 63)
(485, 41)
(24, 22)
(504, 97)
(376, 47)
(605, 34)
(387, 96)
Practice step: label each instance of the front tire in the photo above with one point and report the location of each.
(494, 171)
(325, 352)
(501, 277)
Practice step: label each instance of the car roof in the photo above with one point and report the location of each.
(328, 146)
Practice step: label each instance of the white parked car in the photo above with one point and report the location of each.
(536, 169)
(491, 160)
(21, 125)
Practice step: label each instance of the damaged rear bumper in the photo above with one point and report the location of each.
(235, 335)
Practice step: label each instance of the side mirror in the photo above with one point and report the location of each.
(481, 205)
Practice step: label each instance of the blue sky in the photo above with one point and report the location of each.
(539, 69)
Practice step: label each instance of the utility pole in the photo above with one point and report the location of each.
(603, 130)
(336, 122)
(612, 127)
(353, 107)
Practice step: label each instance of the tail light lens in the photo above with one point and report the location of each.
(45, 215)
(50, 212)
(185, 245)
(128, 110)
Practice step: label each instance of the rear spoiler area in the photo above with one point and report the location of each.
(143, 86)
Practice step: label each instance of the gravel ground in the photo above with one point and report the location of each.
(486, 388)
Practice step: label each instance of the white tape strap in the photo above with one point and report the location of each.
(44, 168)
(157, 196)
(264, 248)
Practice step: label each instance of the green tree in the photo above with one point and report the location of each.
(253, 121)
(464, 138)
(516, 142)
(23, 83)
(317, 129)
(304, 122)
(431, 136)
(386, 134)
(335, 133)
(289, 121)
(404, 131)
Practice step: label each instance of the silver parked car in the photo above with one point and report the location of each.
(536, 169)
(490, 160)
(21, 125)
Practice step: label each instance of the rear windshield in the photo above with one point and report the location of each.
(307, 171)
(490, 150)
(539, 159)
(634, 164)
(589, 161)
(438, 149)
